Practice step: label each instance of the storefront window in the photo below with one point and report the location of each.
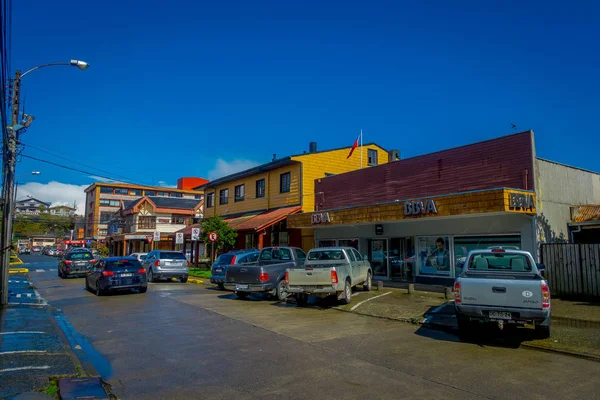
(327, 243)
(348, 243)
(378, 257)
(402, 258)
(434, 255)
(465, 244)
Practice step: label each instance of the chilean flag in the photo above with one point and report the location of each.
(354, 146)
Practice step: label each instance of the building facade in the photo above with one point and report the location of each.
(62, 211)
(416, 219)
(257, 201)
(104, 199)
(31, 206)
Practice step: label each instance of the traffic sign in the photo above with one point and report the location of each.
(149, 239)
(156, 236)
(213, 236)
(179, 238)
(195, 233)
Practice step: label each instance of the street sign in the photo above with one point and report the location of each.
(156, 236)
(149, 239)
(179, 238)
(195, 233)
(213, 237)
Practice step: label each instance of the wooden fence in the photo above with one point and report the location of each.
(572, 270)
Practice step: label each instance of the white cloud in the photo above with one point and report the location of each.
(224, 168)
(56, 193)
(165, 184)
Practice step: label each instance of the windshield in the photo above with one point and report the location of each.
(276, 254)
(324, 255)
(81, 255)
(500, 262)
(121, 264)
(171, 255)
(224, 259)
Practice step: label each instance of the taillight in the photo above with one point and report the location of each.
(334, 277)
(187, 264)
(263, 277)
(108, 273)
(157, 263)
(232, 260)
(545, 295)
(141, 271)
(287, 277)
(92, 260)
(457, 298)
(67, 262)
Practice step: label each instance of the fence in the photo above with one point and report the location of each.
(572, 270)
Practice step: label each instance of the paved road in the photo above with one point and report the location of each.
(186, 341)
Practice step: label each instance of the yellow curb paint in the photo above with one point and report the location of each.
(192, 280)
(18, 270)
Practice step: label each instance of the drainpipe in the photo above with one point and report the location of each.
(575, 231)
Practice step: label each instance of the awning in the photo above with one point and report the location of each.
(235, 222)
(585, 213)
(188, 229)
(266, 219)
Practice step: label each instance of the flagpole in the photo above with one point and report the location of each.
(361, 150)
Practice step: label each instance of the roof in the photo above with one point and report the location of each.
(166, 202)
(567, 166)
(266, 219)
(188, 229)
(134, 186)
(585, 213)
(281, 162)
(63, 206)
(33, 198)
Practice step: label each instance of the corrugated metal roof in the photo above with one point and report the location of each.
(586, 213)
(236, 221)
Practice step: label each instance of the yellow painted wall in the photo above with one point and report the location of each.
(315, 166)
(272, 199)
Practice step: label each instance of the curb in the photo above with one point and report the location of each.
(18, 270)
(195, 280)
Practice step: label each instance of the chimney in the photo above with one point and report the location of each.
(393, 155)
(274, 156)
(312, 147)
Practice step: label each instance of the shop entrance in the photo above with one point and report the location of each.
(378, 257)
(402, 259)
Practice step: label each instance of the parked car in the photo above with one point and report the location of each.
(51, 251)
(36, 249)
(163, 264)
(329, 271)
(268, 273)
(502, 286)
(75, 263)
(96, 253)
(140, 256)
(24, 250)
(116, 273)
(219, 267)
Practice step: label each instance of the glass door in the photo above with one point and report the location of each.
(378, 257)
(402, 259)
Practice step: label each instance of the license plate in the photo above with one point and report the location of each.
(241, 287)
(218, 269)
(308, 288)
(126, 275)
(500, 315)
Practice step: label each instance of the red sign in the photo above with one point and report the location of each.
(149, 239)
(74, 242)
(213, 236)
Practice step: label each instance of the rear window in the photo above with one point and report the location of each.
(80, 255)
(171, 255)
(143, 257)
(324, 255)
(276, 254)
(500, 262)
(113, 265)
(224, 259)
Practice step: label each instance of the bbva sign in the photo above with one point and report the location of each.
(419, 207)
(320, 218)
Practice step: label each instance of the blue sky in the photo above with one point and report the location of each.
(195, 88)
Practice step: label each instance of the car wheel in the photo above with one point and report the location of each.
(281, 291)
(301, 300)
(143, 289)
(368, 282)
(183, 279)
(99, 292)
(242, 295)
(347, 295)
(150, 276)
(221, 286)
(465, 327)
(542, 331)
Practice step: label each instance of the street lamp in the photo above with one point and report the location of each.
(75, 63)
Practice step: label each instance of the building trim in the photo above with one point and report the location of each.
(135, 186)
(568, 166)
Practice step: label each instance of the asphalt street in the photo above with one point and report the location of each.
(187, 341)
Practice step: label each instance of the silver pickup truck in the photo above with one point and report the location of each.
(329, 271)
(504, 287)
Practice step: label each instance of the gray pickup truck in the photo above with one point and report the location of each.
(267, 275)
(503, 287)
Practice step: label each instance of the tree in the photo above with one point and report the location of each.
(227, 235)
(42, 209)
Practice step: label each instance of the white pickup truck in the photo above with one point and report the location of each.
(504, 287)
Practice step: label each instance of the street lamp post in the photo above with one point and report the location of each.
(17, 183)
(11, 136)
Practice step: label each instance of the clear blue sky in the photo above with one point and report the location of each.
(174, 86)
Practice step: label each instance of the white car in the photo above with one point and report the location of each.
(140, 256)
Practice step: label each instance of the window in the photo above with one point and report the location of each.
(150, 192)
(357, 255)
(162, 194)
(276, 254)
(464, 244)
(210, 200)
(260, 188)
(250, 241)
(135, 192)
(434, 255)
(284, 182)
(106, 216)
(238, 193)
(177, 220)
(121, 191)
(106, 189)
(224, 196)
(326, 243)
(176, 194)
(300, 255)
(102, 232)
(197, 196)
(351, 255)
(348, 243)
(325, 255)
(146, 222)
(171, 255)
(372, 157)
(121, 264)
(110, 203)
(500, 262)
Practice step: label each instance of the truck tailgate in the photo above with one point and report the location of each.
(310, 276)
(519, 292)
(244, 273)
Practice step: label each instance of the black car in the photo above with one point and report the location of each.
(116, 273)
(75, 263)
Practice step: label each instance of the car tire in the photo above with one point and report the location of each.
(281, 291)
(151, 276)
(347, 293)
(183, 279)
(221, 286)
(368, 282)
(60, 275)
(465, 327)
(301, 300)
(143, 289)
(542, 331)
(99, 292)
(242, 295)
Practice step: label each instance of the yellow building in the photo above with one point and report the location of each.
(257, 201)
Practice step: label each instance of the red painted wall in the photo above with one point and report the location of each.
(189, 183)
(503, 162)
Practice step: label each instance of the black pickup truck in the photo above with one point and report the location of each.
(267, 275)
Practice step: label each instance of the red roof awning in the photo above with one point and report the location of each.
(586, 213)
(266, 219)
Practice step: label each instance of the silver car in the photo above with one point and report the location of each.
(166, 264)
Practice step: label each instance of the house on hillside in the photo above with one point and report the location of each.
(62, 211)
(31, 206)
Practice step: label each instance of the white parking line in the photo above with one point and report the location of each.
(23, 368)
(53, 270)
(22, 352)
(40, 270)
(23, 333)
(18, 296)
(364, 301)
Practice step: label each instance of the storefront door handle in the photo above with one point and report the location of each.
(497, 289)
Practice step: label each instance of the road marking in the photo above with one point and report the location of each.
(28, 294)
(23, 368)
(40, 270)
(22, 352)
(364, 301)
(438, 308)
(52, 270)
(23, 333)
(18, 296)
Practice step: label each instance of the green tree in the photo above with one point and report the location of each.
(227, 235)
